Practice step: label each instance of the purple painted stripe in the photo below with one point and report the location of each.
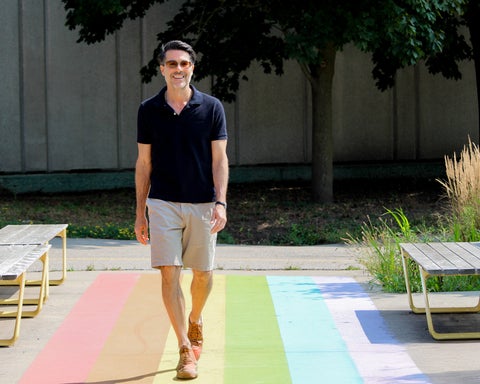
(378, 356)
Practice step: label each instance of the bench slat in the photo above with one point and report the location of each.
(442, 260)
(471, 253)
(16, 259)
(445, 258)
(9, 256)
(419, 257)
(457, 260)
(30, 233)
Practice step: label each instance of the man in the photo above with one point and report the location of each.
(181, 175)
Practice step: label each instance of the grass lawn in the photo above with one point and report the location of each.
(274, 213)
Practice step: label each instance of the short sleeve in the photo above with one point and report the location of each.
(144, 132)
(219, 131)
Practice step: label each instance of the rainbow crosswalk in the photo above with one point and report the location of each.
(258, 329)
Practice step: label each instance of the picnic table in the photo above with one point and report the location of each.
(37, 234)
(442, 259)
(15, 260)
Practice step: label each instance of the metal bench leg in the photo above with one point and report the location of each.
(42, 297)
(422, 310)
(18, 314)
(412, 305)
(428, 312)
(63, 235)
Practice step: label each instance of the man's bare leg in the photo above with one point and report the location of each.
(200, 290)
(175, 305)
(174, 302)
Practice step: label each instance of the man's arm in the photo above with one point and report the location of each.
(220, 182)
(143, 170)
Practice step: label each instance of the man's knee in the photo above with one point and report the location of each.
(202, 277)
(170, 274)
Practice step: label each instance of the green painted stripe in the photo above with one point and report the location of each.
(254, 350)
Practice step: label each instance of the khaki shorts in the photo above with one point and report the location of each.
(180, 234)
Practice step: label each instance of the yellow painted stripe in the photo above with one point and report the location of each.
(212, 362)
(211, 366)
(166, 371)
(133, 348)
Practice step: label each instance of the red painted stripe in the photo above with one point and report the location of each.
(70, 354)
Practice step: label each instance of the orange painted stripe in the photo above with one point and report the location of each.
(212, 363)
(73, 349)
(134, 347)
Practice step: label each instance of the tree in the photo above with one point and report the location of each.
(230, 35)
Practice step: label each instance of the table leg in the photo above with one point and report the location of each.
(20, 281)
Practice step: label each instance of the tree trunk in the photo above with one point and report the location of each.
(322, 127)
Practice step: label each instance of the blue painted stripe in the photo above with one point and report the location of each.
(315, 350)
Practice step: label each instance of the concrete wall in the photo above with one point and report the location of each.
(68, 106)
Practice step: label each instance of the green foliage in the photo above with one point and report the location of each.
(97, 19)
(380, 253)
(403, 223)
(465, 225)
(462, 188)
(106, 231)
(379, 247)
(123, 232)
(401, 34)
(231, 35)
(225, 237)
(301, 235)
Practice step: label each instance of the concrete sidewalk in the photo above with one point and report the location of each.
(442, 362)
(101, 255)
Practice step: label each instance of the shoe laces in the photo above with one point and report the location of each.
(195, 333)
(186, 356)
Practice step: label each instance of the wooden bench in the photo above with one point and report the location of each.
(441, 259)
(14, 263)
(37, 234)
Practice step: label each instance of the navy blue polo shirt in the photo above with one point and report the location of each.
(182, 146)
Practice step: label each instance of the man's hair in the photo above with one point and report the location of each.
(176, 45)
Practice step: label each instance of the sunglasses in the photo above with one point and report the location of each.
(172, 64)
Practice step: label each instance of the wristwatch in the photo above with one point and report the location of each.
(221, 203)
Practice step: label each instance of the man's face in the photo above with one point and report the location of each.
(177, 69)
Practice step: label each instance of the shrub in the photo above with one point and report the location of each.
(380, 245)
(462, 188)
(380, 253)
(379, 248)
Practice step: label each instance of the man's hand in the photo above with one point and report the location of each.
(219, 218)
(141, 230)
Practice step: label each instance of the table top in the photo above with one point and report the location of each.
(16, 259)
(449, 258)
(30, 233)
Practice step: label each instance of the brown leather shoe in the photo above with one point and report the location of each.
(187, 365)
(195, 335)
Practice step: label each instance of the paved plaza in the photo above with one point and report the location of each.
(275, 315)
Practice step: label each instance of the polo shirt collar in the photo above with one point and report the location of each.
(197, 97)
